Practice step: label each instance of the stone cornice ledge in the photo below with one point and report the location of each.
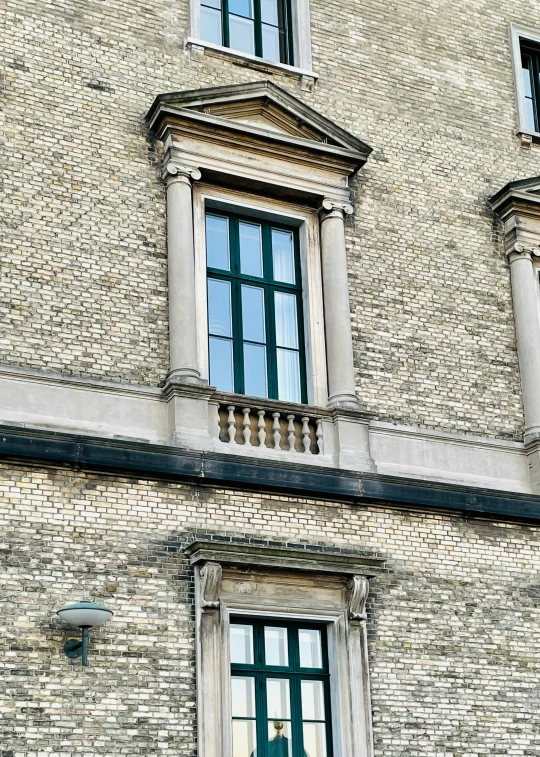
(149, 460)
(283, 558)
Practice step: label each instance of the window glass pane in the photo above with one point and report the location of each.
(221, 364)
(253, 314)
(269, 12)
(529, 115)
(244, 738)
(217, 237)
(276, 647)
(283, 253)
(271, 43)
(255, 383)
(312, 700)
(527, 85)
(241, 36)
(250, 248)
(286, 320)
(277, 698)
(309, 641)
(243, 697)
(219, 307)
(315, 739)
(288, 369)
(241, 8)
(211, 25)
(241, 644)
(279, 739)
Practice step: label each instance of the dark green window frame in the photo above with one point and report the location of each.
(294, 674)
(270, 286)
(283, 26)
(530, 66)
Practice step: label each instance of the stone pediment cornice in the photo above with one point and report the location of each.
(256, 114)
(522, 196)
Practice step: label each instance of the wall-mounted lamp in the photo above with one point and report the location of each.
(84, 615)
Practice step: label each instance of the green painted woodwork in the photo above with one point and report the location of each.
(270, 286)
(262, 672)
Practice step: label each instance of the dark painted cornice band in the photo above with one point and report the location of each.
(173, 464)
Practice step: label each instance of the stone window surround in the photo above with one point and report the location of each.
(520, 32)
(216, 198)
(518, 206)
(260, 138)
(338, 601)
(301, 40)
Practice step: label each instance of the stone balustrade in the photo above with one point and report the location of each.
(278, 427)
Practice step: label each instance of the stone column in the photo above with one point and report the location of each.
(184, 364)
(187, 394)
(339, 351)
(351, 420)
(527, 320)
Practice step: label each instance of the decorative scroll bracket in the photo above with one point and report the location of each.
(210, 574)
(358, 587)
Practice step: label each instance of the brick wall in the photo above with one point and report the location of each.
(453, 626)
(83, 287)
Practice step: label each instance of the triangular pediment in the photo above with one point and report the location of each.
(522, 189)
(260, 108)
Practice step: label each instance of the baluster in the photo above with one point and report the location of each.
(277, 431)
(292, 435)
(306, 439)
(262, 428)
(319, 435)
(232, 424)
(247, 426)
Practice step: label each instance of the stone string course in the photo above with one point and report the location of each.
(453, 626)
(83, 288)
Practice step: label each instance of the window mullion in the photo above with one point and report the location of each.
(225, 22)
(289, 39)
(535, 86)
(258, 28)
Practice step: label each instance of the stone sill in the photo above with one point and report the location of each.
(198, 48)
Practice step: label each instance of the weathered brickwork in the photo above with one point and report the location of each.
(453, 625)
(83, 287)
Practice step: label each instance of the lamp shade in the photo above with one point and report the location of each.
(85, 613)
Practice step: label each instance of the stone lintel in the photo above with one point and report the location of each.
(283, 558)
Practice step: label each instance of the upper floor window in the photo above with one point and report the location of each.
(256, 27)
(530, 69)
(280, 693)
(255, 334)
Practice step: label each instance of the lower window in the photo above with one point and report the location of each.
(280, 692)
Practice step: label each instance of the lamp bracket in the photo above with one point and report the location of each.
(73, 648)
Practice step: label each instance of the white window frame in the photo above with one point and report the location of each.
(307, 222)
(301, 33)
(519, 32)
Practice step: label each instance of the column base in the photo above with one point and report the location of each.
(187, 405)
(184, 376)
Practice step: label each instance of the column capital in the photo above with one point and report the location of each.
(523, 250)
(335, 209)
(174, 172)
